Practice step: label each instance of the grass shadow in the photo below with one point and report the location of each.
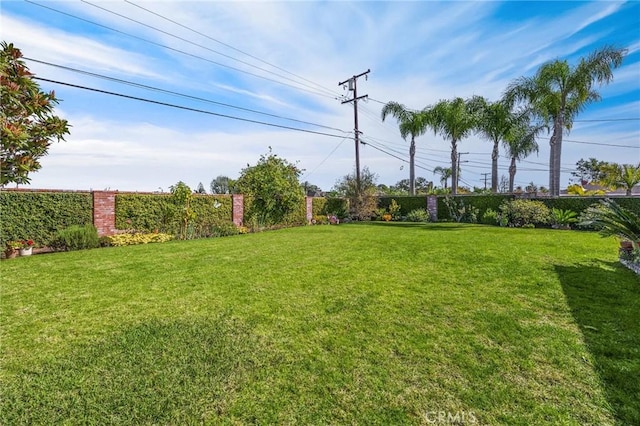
(605, 303)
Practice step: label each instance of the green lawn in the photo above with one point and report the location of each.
(352, 324)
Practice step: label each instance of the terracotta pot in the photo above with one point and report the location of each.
(10, 253)
(627, 245)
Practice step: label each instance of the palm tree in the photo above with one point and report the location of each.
(445, 174)
(558, 92)
(520, 142)
(412, 123)
(622, 176)
(495, 122)
(453, 120)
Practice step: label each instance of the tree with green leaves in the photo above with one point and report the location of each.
(411, 123)
(454, 120)
(363, 203)
(422, 186)
(445, 174)
(590, 170)
(558, 92)
(520, 142)
(624, 176)
(494, 123)
(274, 188)
(28, 126)
(181, 196)
(222, 185)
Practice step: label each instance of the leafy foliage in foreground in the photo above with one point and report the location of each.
(27, 123)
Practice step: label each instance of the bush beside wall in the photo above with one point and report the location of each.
(40, 215)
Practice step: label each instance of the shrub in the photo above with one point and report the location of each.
(418, 215)
(610, 219)
(561, 217)
(490, 217)
(138, 238)
(525, 212)
(459, 212)
(76, 237)
(394, 210)
(320, 219)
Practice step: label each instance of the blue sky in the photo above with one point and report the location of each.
(286, 59)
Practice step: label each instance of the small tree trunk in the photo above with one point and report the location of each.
(412, 170)
(494, 167)
(512, 174)
(552, 147)
(454, 167)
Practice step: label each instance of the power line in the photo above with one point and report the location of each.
(192, 43)
(602, 144)
(229, 46)
(187, 108)
(306, 175)
(157, 89)
(178, 50)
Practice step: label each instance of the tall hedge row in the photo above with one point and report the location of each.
(330, 206)
(406, 203)
(39, 215)
(150, 212)
(579, 204)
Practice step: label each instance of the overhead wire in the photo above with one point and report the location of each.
(186, 108)
(306, 175)
(160, 90)
(178, 50)
(228, 45)
(194, 43)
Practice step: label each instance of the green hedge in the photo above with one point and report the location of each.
(493, 201)
(40, 215)
(579, 204)
(407, 203)
(318, 205)
(151, 212)
(482, 202)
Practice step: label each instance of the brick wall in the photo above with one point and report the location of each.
(104, 212)
(238, 209)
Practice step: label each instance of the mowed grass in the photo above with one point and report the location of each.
(352, 324)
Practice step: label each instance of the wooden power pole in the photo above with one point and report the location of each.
(353, 86)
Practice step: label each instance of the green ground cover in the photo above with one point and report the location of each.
(382, 323)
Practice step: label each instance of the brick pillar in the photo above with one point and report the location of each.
(104, 212)
(432, 207)
(309, 201)
(238, 209)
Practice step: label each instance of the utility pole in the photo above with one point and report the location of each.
(485, 179)
(354, 87)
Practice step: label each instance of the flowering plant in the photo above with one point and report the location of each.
(14, 245)
(26, 244)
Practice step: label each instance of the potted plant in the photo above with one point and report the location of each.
(26, 248)
(11, 249)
